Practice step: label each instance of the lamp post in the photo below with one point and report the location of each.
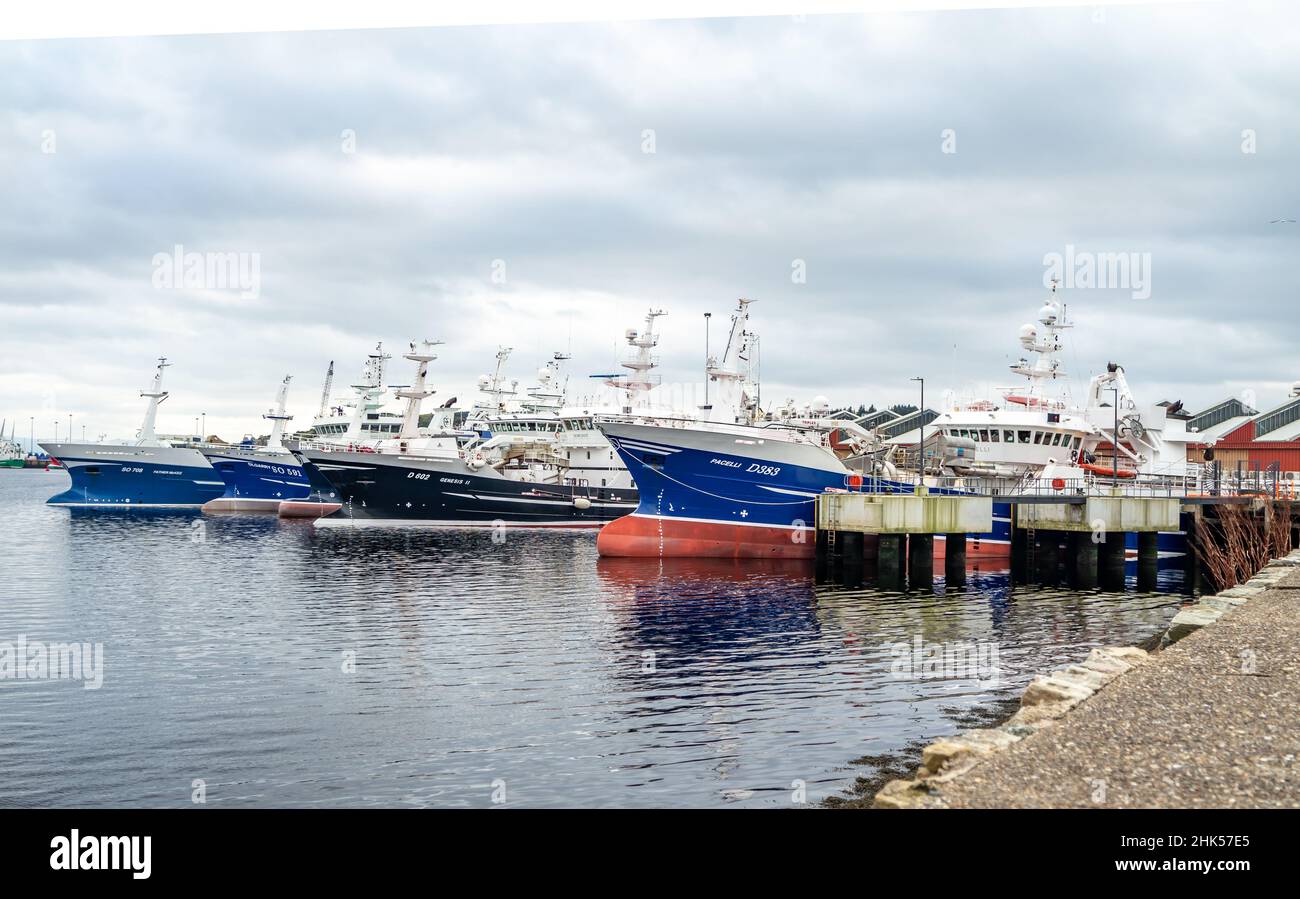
(1114, 447)
(921, 445)
(707, 316)
(203, 431)
(31, 437)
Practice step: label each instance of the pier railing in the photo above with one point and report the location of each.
(1188, 483)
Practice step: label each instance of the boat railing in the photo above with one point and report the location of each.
(331, 446)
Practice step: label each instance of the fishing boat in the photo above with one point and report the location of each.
(335, 426)
(146, 473)
(747, 487)
(1001, 447)
(729, 484)
(259, 478)
(425, 476)
(11, 453)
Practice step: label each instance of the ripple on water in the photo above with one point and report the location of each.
(289, 666)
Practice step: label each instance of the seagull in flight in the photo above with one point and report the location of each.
(1282, 222)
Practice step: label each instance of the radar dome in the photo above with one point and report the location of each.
(820, 404)
(1048, 313)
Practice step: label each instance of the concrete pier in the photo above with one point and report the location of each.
(1147, 547)
(1047, 556)
(903, 526)
(1111, 559)
(851, 560)
(1111, 514)
(850, 547)
(1083, 561)
(1148, 562)
(1019, 548)
(890, 561)
(920, 560)
(954, 560)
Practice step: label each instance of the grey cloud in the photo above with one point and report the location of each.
(775, 141)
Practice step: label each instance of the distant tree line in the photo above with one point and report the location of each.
(861, 410)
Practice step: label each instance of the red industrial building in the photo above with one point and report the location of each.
(1246, 439)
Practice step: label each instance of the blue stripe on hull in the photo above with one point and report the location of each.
(707, 486)
(679, 482)
(108, 483)
(696, 485)
(1172, 543)
(252, 477)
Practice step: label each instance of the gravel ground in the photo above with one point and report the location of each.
(1212, 721)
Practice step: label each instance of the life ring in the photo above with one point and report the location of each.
(853, 481)
(1058, 483)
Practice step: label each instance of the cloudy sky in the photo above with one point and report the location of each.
(382, 178)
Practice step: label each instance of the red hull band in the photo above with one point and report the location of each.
(306, 509)
(975, 549)
(638, 536)
(641, 537)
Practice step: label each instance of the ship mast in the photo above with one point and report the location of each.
(493, 387)
(370, 388)
(277, 415)
(146, 436)
(551, 389)
(640, 382)
(1045, 343)
(416, 392)
(735, 375)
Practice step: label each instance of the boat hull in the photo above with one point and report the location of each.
(126, 477)
(655, 536)
(732, 494)
(739, 493)
(256, 481)
(394, 489)
(306, 508)
(321, 500)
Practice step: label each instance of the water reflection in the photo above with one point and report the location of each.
(573, 680)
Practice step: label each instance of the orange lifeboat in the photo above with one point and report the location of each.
(1033, 402)
(1107, 471)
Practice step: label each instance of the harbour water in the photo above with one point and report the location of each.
(282, 665)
